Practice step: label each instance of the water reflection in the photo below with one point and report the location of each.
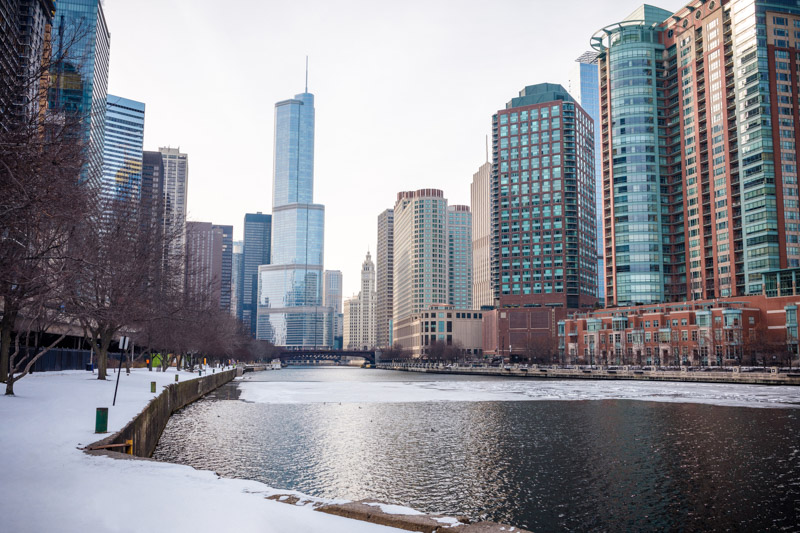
(578, 465)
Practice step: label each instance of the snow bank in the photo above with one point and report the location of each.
(518, 390)
(49, 484)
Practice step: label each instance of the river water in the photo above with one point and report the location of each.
(585, 456)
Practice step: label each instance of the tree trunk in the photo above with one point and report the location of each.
(101, 351)
(6, 327)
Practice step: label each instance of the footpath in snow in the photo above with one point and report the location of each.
(47, 483)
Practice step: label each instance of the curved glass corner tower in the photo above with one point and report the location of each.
(290, 311)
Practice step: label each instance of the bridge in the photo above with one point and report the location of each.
(319, 355)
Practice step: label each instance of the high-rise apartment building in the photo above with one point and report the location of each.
(584, 86)
(203, 260)
(78, 84)
(122, 148)
(480, 207)
(256, 251)
(359, 312)
(459, 256)
(544, 248)
(236, 278)
(290, 310)
(385, 279)
(226, 267)
(699, 126)
(24, 47)
(420, 253)
(176, 186)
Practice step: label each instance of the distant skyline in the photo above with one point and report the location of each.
(405, 93)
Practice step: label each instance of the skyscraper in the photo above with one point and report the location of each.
(122, 148)
(420, 253)
(236, 279)
(256, 251)
(24, 43)
(332, 298)
(459, 256)
(226, 266)
(176, 185)
(359, 314)
(79, 84)
(203, 260)
(544, 239)
(290, 310)
(584, 86)
(480, 206)
(699, 149)
(385, 279)
(152, 189)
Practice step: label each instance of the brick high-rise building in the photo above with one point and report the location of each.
(543, 214)
(699, 118)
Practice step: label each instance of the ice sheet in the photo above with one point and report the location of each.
(516, 390)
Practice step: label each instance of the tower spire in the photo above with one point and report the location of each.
(306, 73)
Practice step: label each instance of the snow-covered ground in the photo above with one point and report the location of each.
(48, 484)
(517, 390)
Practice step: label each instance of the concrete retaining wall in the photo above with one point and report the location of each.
(754, 378)
(146, 428)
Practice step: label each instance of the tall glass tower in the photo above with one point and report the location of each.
(78, 84)
(122, 148)
(290, 308)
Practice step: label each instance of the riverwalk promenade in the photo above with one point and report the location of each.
(740, 375)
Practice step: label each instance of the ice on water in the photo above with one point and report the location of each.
(519, 390)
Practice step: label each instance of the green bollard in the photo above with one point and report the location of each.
(153, 387)
(101, 420)
(176, 378)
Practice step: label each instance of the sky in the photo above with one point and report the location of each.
(404, 94)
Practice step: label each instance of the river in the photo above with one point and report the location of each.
(584, 456)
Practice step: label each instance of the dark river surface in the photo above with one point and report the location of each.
(583, 465)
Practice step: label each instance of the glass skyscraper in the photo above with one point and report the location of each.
(79, 84)
(290, 308)
(584, 86)
(122, 148)
(256, 251)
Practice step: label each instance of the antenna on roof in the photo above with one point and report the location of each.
(306, 73)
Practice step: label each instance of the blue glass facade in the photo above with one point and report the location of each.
(79, 83)
(122, 148)
(585, 87)
(256, 251)
(290, 307)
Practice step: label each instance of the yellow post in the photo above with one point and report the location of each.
(129, 442)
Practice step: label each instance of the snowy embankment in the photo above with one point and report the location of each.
(519, 390)
(49, 484)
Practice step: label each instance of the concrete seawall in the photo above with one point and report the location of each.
(146, 428)
(535, 372)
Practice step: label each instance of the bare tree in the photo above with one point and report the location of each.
(40, 214)
(116, 280)
(396, 353)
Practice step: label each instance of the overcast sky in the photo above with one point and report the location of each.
(405, 91)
